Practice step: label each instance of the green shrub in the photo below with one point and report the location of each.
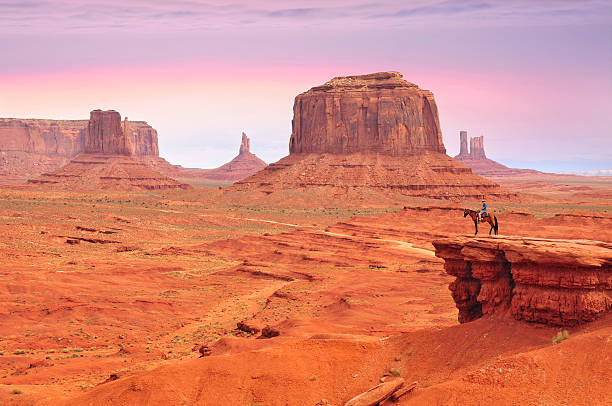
(19, 352)
(16, 391)
(561, 336)
(395, 372)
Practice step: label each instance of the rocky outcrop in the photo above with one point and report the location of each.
(376, 132)
(477, 160)
(30, 147)
(245, 145)
(557, 282)
(105, 134)
(463, 146)
(379, 112)
(242, 166)
(109, 162)
(143, 138)
(106, 172)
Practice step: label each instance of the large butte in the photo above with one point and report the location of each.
(375, 132)
(108, 162)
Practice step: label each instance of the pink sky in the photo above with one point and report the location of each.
(535, 78)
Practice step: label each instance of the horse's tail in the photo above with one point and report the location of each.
(496, 226)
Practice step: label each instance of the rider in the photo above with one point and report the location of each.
(483, 212)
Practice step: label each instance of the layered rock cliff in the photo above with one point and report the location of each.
(379, 112)
(109, 160)
(375, 131)
(30, 147)
(557, 282)
(105, 134)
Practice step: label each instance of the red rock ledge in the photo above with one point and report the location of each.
(557, 282)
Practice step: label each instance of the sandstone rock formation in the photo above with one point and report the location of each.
(108, 161)
(374, 131)
(30, 147)
(379, 112)
(463, 149)
(557, 282)
(105, 134)
(106, 172)
(242, 166)
(477, 160)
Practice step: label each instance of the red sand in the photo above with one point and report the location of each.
(131, 283)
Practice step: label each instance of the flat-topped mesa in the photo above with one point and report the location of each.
(245, 145)
(557, 282)
(374, 113)
(105, 134)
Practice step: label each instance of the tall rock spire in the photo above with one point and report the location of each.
(245, 146)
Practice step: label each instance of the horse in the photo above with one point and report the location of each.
(492, 220)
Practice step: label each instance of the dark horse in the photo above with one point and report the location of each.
(488, 219)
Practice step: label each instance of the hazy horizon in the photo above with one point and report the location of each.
(535, 78)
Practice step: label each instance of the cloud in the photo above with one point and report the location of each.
(146, 16)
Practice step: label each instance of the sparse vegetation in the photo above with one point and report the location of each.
(16, 391)
(312, 378)
(19, 352)
(395, 372)
(561, 336)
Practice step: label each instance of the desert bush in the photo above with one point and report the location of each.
(16, 391)
(561, 336)
(395, 372)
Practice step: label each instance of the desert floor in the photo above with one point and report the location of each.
(98, 286)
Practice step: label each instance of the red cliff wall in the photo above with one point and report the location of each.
(379, 112)
(558, 282)
(105, 134)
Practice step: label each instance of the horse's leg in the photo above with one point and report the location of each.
(491, 228)
(476, 226)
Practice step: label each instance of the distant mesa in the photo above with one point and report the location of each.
(374, 131)
(108, 161)
(30, 147)
(476, 159)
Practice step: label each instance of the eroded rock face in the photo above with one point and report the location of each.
(105, 134)
(463, 148)
(245, 145)
(558, 282)
(376, 133)
(143, 138)
(30, 147)
(45, 137)
(379, 112)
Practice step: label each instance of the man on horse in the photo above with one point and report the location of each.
(483, 212)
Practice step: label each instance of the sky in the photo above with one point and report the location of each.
(533, 77)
